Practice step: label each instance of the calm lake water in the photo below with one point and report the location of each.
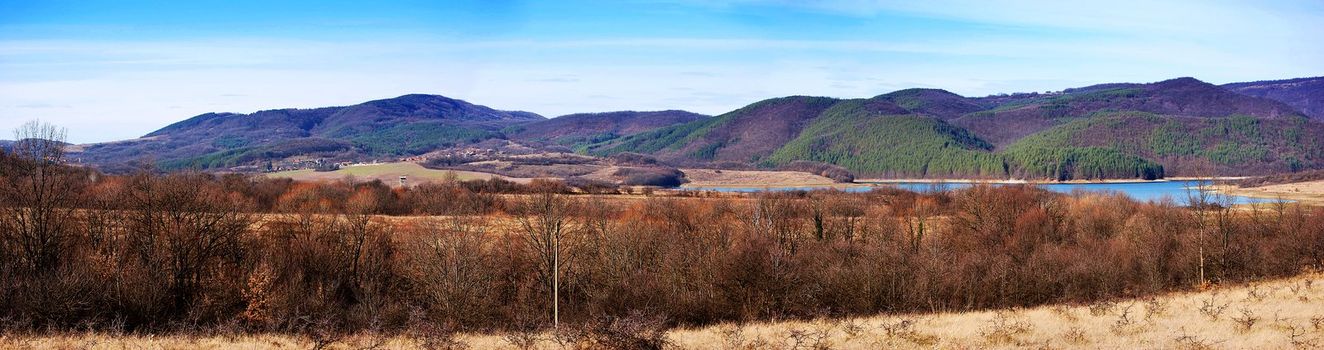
(1178, 191)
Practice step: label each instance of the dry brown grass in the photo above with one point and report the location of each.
(753, 178)
(389, 173)
(1287, 314)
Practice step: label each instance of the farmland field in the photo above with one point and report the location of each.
(386, 172)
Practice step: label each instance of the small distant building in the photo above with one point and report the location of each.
(402, 181)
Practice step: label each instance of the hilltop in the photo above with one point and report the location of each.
(1304, 94)
(581, 128)
(1175, 127)
(1180, 127)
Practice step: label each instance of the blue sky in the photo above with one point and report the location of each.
(112, 70)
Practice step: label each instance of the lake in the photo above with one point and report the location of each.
(1141, 191)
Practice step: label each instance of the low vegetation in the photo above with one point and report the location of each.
(1287, 314)
(192, 253)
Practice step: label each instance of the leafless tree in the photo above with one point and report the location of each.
(549, 230)
(1200, 200)
(185, 230)
(453, 268)
(37, 198)
(920, 212)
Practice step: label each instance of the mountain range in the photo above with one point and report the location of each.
(1174, 127)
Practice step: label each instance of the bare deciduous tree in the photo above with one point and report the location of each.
(548, 228)
(37, 198)
(452, 269)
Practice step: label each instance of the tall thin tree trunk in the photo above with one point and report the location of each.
(556, 285)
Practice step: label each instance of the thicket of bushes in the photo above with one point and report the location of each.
(192, 251)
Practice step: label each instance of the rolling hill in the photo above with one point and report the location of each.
(1009, 121)
(1174, 127)
(402, 126)
(1179, 126)
(584, 128)
(746, 134)
(1304, 94)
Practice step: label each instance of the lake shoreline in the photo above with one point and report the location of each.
(1049, 182)
(1311, 192)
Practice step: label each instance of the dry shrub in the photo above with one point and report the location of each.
(1212, 309)
(1006, 327)
(1191, 342)
(638, 331)
(1246, 320)
(807, 339)
(1125, 322)
(1156, 307)
(1075, 336)
(904, 329)
(1102, 308)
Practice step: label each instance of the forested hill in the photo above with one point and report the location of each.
(408, 124)
(1304, 94)
(1175, 127)
(396, 127)
(1179, 126)
(583, 128)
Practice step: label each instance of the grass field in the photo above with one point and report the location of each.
(386, 172)
(1278, 314)
(754, 178)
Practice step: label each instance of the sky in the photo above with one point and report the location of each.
(112, 70)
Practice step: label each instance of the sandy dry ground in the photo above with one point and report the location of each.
(1279, 314)
(389, 173)
(1311, 192)
(749, 178)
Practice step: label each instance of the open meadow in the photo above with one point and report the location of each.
(387, 173)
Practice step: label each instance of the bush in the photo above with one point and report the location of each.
(632, 159)
(836, 173)
(656, 176)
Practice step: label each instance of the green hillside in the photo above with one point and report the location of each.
(745, 134)
(892, 145)
(1231, 145)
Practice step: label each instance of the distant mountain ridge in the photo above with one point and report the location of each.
(1304, 94)
(404, 125)
(582, 128)
(1178, 126)
(1182, 125)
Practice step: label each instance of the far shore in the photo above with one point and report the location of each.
(708, 178)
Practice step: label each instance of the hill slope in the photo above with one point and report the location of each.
(1179, 126)
(1105, 131)
(409, 124)
(1008, 121)
(746, 134)
(1304, 94)
(584, 128)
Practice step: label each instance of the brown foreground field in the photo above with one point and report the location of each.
(1278, 314)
